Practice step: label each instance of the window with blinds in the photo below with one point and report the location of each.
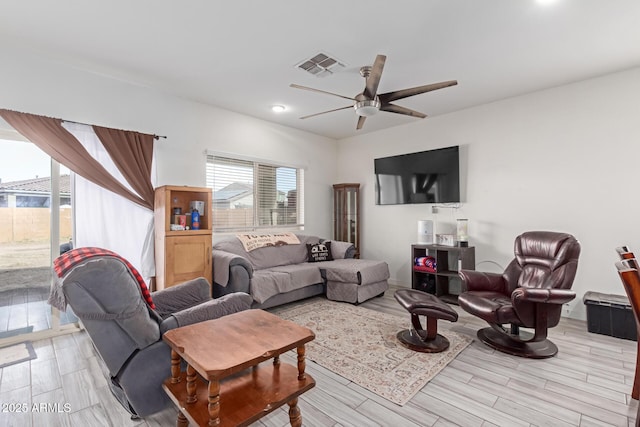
(250, 195)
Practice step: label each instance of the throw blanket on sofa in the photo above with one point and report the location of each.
(255, 241)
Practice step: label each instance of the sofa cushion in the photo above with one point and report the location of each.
(265, 284)
(269, 282)
(301, 275)
(319, 252)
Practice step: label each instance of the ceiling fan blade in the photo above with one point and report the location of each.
(391, 108)
(319, 91)
(325, 112)
(405, 93)
(373, 80)
(361, 120)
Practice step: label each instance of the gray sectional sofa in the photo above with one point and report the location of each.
(276, 275)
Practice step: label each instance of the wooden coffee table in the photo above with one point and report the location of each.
(235, 389)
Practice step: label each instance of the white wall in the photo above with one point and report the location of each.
(34, 84)
(564, 159)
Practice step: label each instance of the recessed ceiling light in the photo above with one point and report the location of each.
(545, 2)
(278, 108)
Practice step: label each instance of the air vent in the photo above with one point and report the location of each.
(321, 65)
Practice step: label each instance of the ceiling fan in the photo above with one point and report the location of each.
(369, 102)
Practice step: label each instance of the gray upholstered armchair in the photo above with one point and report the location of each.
(127, 333)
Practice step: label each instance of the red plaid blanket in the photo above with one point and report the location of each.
(65, 262)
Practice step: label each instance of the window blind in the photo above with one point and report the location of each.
(250, 195)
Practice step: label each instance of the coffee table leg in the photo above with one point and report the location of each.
(175, 367)
(182, 420)
(191, 385)
(301, 362)
(214, 403)
(294, 413)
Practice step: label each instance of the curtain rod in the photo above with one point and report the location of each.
(87, 124)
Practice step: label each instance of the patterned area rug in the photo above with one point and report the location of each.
(361, 345)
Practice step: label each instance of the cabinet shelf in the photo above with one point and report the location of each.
(420, 270)
(182, 255)
(187, 233)
(444, 282)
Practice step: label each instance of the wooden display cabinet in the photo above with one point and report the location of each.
(185, 254)
(346, 214)
(444, 282)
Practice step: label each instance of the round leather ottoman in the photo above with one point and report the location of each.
(419, 303)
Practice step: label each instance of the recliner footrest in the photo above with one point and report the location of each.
(419, 303)
(424, 304)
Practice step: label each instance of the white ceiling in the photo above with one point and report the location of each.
(241, 55)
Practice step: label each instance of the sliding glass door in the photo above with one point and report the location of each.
(36, 224)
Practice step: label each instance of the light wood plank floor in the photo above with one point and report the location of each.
(587, 384)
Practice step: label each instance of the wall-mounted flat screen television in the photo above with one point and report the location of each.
(431, 176)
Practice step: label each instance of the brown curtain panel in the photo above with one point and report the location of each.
(49, 135)
(132, 153)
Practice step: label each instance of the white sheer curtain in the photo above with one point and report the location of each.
(106, 220)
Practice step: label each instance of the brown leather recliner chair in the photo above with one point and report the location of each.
(529, 294)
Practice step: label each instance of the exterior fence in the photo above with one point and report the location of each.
(241, 218)
(233, 218)
(32, 225)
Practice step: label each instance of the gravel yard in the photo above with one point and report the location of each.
(24, 265)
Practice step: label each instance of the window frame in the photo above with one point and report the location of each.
(256, 163)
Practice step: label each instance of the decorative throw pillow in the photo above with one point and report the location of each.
(319, 252)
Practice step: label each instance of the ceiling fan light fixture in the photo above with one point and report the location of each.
(367, 108)
(368, 102)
